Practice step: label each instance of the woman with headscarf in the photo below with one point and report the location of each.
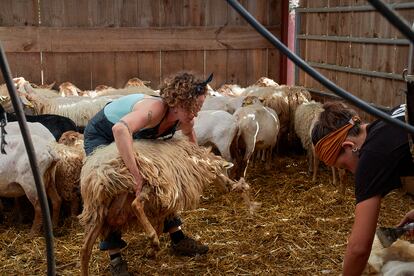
(378, 154)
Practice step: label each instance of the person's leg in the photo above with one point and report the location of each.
(113, 243)
(181, 244)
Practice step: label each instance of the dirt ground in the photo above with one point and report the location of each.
(300, 229)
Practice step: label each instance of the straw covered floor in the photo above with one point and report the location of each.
(300, 229)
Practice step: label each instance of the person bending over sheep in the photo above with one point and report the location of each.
(378, 154)
(139, 116)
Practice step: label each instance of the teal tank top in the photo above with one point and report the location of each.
(120, 107)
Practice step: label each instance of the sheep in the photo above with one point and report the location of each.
(221, 135)
(71, 153)
(43, 86)
(78, 109)
(225, 103)
(16, 177)
(174, 172)
(275, 99)
(56, 124)
(134, 82)
(398, 259)
(68, 89)
(258, 130)
(306, 115)
(127, 90)
(265, 82)
(5, 100)
(232, 90)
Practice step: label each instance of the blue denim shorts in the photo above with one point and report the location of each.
(98, 132)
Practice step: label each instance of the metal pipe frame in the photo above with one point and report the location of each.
(315, 74)
(356, 71)
(337, 98)
(361, 8)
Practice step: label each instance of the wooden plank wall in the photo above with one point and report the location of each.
(88, 64)
(372, 57)
(21, 13)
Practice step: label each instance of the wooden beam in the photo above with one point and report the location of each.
(125, 39)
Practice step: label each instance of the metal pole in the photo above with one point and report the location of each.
(312, 72)
(47, 223)
(410, 93)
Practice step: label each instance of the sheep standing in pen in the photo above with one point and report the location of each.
(68, 169)
(68, 89)
(258, 132)
(78, 109)
(225, 103)
(16, 177)
(134, 82)
(174, 172)
(306, 115)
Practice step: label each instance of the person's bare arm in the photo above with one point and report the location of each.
(362, 235)
(188, 130)
(147, 116)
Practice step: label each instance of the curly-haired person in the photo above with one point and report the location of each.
(138, 116)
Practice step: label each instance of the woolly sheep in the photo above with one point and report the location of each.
(174, 172)
(68, 169)
(306, 116)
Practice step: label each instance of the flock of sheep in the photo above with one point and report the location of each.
(241, 124)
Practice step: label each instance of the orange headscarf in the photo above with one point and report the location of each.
(329, 147)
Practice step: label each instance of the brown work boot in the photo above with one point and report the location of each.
(119, 267)
(188, 247)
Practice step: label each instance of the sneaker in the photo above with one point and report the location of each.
(188, 247)
(119, 267)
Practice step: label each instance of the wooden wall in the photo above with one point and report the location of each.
(92, 42)
(387, 91)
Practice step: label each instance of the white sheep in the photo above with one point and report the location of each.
(174, 172)
(398, 259)
(265, 82)
(16, 177)
(78, 109)
(68, 89)
(225, 103)
(258, 131)
(306, 115)
(232, 90)
(217, 128)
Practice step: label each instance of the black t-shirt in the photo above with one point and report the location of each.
(384, 157)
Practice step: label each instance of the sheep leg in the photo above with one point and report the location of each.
(90, 238)
(138, 208)
(115, 216)
(334, 180)
(56, 203)
(310, 162)
(315, 167)
(74, 207)
(37, 221)
(342, 174)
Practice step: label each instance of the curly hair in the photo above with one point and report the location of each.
(334, 116)
(183, 90)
